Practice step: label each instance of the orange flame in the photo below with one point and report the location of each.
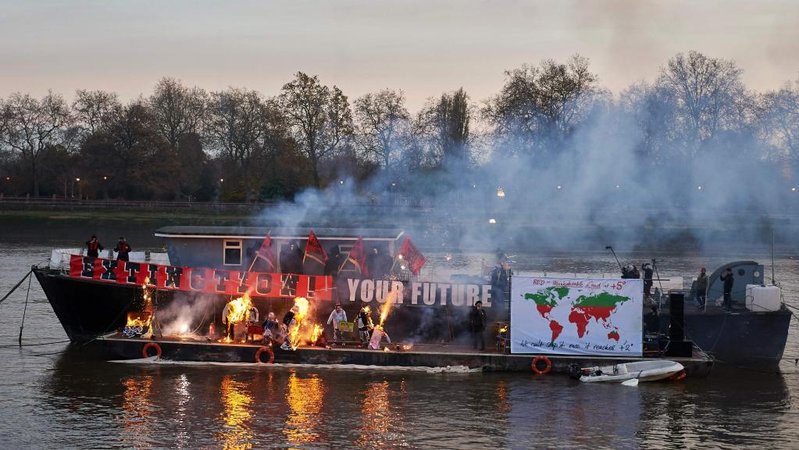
(146, 295)
(239, 308)
(300, 309)
(386, 308)
(317, 331)
(141, 320)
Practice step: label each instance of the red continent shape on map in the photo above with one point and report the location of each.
(556, 329)
(598, 312)
(544, 310)
(614, 335)
(580, 320)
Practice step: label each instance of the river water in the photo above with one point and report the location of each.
(52, 397)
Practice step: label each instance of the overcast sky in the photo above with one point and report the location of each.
(422, 47)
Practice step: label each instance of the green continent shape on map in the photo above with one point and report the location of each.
(545, 300)
(598, 307)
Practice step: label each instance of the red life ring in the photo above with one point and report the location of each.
(267, 350)
(145, 351)
(538, 370)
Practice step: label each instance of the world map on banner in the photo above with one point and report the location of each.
(576, 316)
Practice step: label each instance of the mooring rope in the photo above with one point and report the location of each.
(16, 286)
(25, 310)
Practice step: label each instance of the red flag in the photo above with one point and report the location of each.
(314, 260)
(413, 256)
(357, 257)
(265, 252)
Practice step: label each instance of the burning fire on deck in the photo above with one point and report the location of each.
(300, 309)
(237, 311)
(138, 322)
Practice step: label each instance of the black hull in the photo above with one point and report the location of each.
(87, 309)
(744, 339)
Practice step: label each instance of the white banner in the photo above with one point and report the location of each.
(576, 316)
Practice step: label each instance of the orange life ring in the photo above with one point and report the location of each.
(547, 365)
(145, 351)
(264, 349)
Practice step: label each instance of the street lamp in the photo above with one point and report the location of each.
(500, 192)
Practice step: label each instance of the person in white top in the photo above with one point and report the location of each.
(337, 316)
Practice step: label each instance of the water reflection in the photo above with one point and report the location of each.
(137, 410)
(182, 414)
(565, 413)
(236, 402)
(305, 397)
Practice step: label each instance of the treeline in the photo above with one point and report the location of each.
(183, 142)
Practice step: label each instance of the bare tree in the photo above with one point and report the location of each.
(93, 109)
(382, 120)
(707, 96)
(319, 117)
(32, 126)
(781, 114)
(237, 123)
(178, 110)
(540, 107)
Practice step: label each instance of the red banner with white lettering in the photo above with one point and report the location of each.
(201, 280)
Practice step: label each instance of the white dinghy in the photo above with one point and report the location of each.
(627, 372)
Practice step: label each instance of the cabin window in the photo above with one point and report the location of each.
(232, 253)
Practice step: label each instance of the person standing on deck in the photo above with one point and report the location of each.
(365, 325)
(648, 271)
(477, 325)
(93, 247)
(728, 280)
(500, 280)
(701, 287)
(123, 249)
(288, 326)
(336, 317)
(226, 321)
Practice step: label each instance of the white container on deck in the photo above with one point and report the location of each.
(762, 298)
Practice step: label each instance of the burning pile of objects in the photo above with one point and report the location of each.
(138, 323)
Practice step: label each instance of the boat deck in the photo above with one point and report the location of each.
(397, 354)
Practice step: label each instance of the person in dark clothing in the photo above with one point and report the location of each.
(123, 249)
(477, 325)
(728, 280)
(379, 264)
(365, 325)
(701, 287)
(291, 259)
(648, 271)
(334, 261)
(93, 247)
(500, 281)
(289, 324)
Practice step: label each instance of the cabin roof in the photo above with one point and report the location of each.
(239, 232)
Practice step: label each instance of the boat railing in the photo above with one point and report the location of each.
(59, 258)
